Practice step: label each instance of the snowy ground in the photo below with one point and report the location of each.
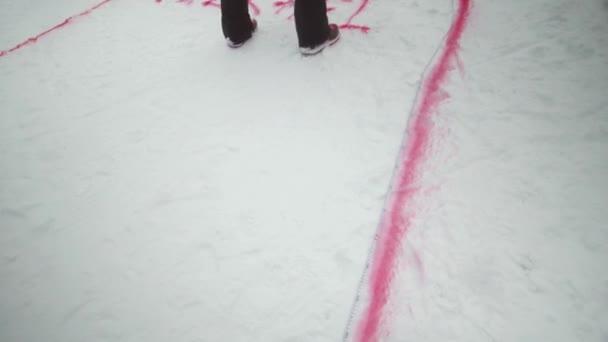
(157, 186)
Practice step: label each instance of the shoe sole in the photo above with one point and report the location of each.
(233, 45)
(318, 49)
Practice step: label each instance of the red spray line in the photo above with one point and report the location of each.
(396, 221)
(349, 25)
(67, 21)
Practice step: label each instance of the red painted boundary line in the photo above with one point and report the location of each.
(395, 223)
(349, 26)
(67, 21)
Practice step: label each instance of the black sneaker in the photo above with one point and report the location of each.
(231, 44)
(334, 36)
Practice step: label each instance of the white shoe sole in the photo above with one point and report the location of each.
(315, 50)
(233, 45)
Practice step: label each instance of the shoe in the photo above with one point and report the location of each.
(231, 44)
(334, 36)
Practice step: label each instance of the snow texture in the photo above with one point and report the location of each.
(158, 186)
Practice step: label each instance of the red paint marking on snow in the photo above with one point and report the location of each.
(67, 21)
(255, 8)
(364, 29)
(212, 3)
(281, 5)
(349, 26)
(395, 223)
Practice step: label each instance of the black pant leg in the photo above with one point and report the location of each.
(311, 22)
(236, 22)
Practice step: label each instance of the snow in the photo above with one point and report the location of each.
(158, 186)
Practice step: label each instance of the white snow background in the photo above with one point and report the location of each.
(158, 186)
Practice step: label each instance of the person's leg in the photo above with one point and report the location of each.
(236, 23)
(311, 22)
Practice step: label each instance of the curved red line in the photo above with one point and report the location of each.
(395, 224)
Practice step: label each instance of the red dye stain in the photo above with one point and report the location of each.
(281, 5)
(348, 25)
(395, 223)
(255, 8)
(67, 21)
(213, 3)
